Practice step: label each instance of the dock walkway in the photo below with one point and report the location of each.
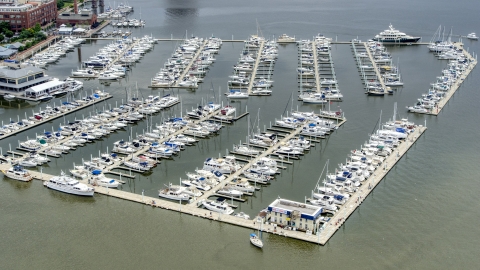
(377, 71)
(255, 67)
(315, 65)
(194, 59)
(435, 111)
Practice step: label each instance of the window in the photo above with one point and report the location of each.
(39, 75)
(22, 80)
(31, 78)
(12, 81)
(280, 214)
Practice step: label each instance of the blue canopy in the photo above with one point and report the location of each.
(113, 155)
(217, 173)
(402, 130)
(112, 181)
(96, 172)
(201, 178)
(253, 235)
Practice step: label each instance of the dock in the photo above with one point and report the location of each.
(194, 59)
(375, 68)
(38, 123)
(315, 66)
(448, 94)
(255, 68)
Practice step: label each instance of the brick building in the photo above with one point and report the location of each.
(25, 14)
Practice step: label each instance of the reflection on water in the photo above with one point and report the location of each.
(181, 15)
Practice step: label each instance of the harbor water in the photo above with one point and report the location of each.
(423, 215)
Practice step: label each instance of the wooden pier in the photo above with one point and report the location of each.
(377, 71)
(255, 67)
(194, 59)
(315, 66)
(16, 132)
(454, 87)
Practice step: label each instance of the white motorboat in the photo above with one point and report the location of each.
(229, 191)
(242, 185)
(417, 109)
(64, 183)
(472, 36)
(99, 179)
(9, 97)
(285, 39)
(224, 166)
(234, 94)
(245, 150)
(28, 162)
(219, 206)
(242, 215)
(18, 173)
(174, 193)
(107, 77)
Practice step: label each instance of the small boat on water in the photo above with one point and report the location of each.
(256, 241)
(472, 36)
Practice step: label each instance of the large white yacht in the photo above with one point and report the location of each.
(69, 185)
(392, 35)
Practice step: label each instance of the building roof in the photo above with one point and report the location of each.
(43, 86)
(307, 211)
(7, 53)
(65, 29)
(18, 73)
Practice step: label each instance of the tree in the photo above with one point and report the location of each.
(8, 33)
(37, 28)
(60, 4)
(40, 36)
(1, 37)
(4, 26)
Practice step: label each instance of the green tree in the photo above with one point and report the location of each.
(21, 48)
(8, 33)
(1, 37)
(40, 36)
(37, 28)
(4, 26)
(60, 4)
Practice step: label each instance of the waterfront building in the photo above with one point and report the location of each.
(23, 14)
(301, 216)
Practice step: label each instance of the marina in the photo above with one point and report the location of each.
(287, 173)
(327, 230)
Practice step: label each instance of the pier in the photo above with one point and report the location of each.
(435, 111)
(375, 68)
(255, 67)
(315, 66)
(46, 120)
(185, 71)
